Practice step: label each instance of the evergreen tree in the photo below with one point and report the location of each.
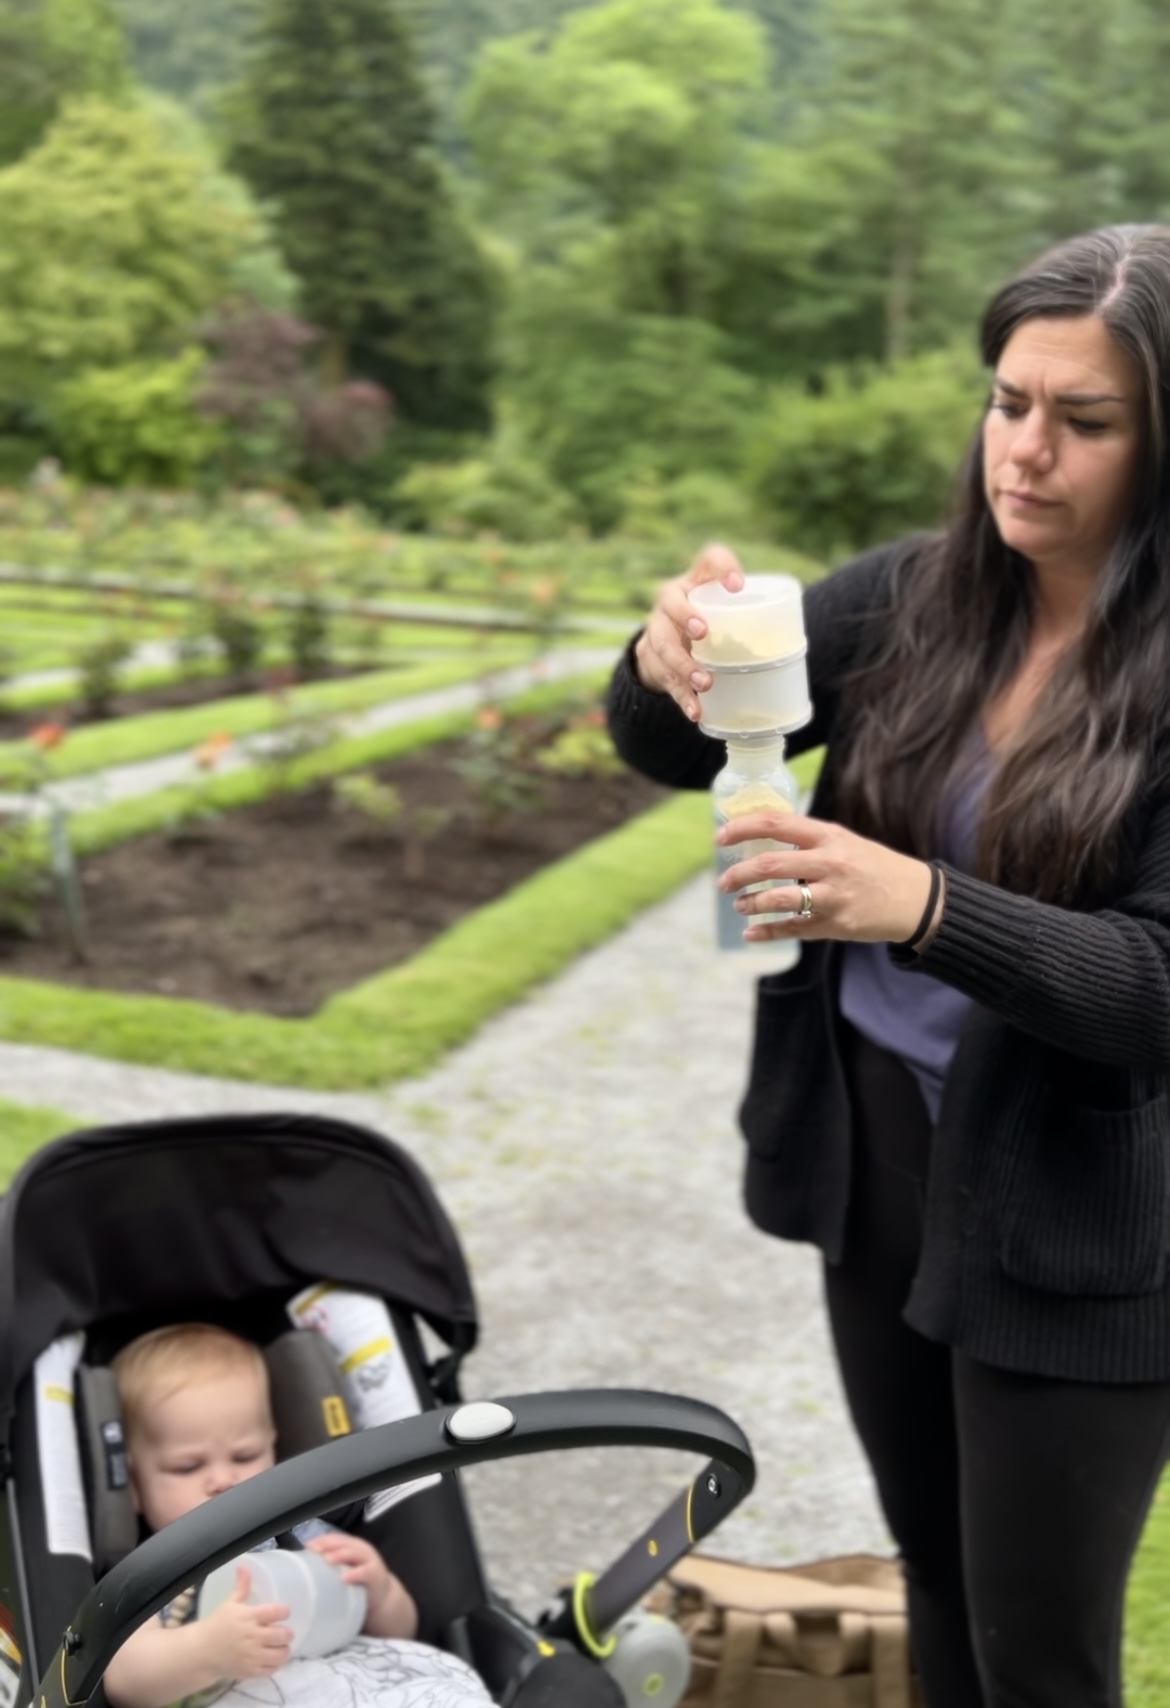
(332, 127)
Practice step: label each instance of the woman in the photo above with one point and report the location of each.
(962, 1092)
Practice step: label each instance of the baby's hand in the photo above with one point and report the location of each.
(246, 1641)
(391, 1610)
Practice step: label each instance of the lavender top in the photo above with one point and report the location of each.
(914, 1016)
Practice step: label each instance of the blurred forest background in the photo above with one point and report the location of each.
(539, 267)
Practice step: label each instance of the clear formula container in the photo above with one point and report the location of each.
(754, 651)
(754, 779)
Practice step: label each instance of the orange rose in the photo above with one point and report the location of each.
(47, 736)
(545, 590)
(210, 752)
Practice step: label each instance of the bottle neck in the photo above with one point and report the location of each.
(756, 758)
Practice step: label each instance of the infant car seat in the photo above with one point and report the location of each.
(326, 1244)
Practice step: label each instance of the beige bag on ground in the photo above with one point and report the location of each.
(831, 1634)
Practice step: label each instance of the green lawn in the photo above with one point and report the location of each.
(1147, 1623)
(24, 1130)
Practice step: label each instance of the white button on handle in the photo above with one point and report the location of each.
(479, 1421)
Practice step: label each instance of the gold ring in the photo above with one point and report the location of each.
(806, 907)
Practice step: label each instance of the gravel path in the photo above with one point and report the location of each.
(584, 1143)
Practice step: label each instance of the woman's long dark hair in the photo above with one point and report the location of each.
(962, 609)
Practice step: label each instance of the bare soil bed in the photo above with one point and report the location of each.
(276, 906)
(15, 724)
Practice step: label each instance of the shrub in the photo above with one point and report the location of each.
(135, 425)
(495, 762)
(23, 877)
(582, 749)
(345, 423)
(100, 667)
(363, 793)
(695, 507)
(237, 632)
(308, 636)
(500, 493)
(274, 414)
(875, 455)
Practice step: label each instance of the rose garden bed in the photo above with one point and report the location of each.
(308, 1000)
(278, 905)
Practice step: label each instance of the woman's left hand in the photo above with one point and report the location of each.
(861, 891)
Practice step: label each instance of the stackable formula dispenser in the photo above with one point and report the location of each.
(755, 651)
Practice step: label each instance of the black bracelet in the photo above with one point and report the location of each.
(925, 922)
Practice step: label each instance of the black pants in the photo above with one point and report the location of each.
(1016, 1501)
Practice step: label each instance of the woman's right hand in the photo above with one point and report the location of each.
(663, 649)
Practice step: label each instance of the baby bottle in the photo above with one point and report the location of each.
(324, 1612)
(754, 779)
(754, 653)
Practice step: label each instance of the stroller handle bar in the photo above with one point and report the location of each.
(373, 1459)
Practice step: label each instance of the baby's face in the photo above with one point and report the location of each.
(197, 1442)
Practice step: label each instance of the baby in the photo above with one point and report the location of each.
(197, 1419)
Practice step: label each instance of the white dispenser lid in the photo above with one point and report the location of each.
(761, 622)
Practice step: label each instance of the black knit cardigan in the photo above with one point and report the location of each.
(1047, 1228)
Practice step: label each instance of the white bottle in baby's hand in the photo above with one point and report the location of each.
(325, 1613)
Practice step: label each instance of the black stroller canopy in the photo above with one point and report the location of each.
(116, 1221)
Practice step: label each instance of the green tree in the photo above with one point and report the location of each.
(619, 138)
(451, 34)
(193, 52)
(332, 127)
(608, 155)
(116, 241)
(1074, 73)
(800, 284)
(50, 51)
(610, 403)
(919, 89)
(630, 151)
(1137, 115)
